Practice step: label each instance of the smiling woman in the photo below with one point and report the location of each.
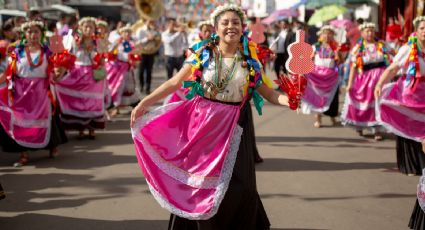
(196, 155)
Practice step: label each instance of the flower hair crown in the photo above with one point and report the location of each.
(86, 19)
(204, 23)
(418, 19)
(27, 25)
(367, 25)
(327, 27)
(228, 7)
(101, 23)
(125, 28)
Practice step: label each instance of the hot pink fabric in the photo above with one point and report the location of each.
(28, 119)
(187, 151)
(80, 95)
(402, 111)
(322, 85)
(116, 73)
(179, 95)
(359, 104)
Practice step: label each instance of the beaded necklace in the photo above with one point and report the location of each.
(381, 49)
(221, 82)
(29, 58)
(413, 67)
(204, 53)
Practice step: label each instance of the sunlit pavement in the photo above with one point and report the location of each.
(327, 178)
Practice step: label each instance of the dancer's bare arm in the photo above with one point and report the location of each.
(161, 92)
(272, 96)
(388, 74)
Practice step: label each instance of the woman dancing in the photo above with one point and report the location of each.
(26, 103)
(194, 154)
(370, 58)
(401, 108)
(321, 94)
(81, 93)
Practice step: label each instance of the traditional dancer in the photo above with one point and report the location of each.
(120, 67)
(195, 154)
(369, 59)
(26, 105)
(81, 93)
(3, 64)
(321, 94)
(102, 30)
(401, 109)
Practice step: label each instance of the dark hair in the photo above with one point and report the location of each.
(63, 15)
(34, 14)
(360, 21)
(7, 26)
(51, 26)
(71, 20)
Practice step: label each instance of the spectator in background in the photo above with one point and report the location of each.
(7, 32)
(174, 39)
(114, 35)
(148, 34)
(70, 23)
(354, 33)
(280, 45)
(51, 29)
(394, 34)
(18, 21)
(62, 21)
(35, 15)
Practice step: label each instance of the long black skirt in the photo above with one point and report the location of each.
(417, 219)
(410, 157)
(78, 123)
(57, 137)
(2, 194)
(250, 129)
(334, 107)
(241, 207)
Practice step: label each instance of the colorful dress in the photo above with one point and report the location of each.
(370, 60)
(322, 84)
(120, 75)
(82, 97)
(196, 155)
(401, 110)
(26, 105)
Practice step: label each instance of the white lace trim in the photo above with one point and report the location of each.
(220, 190)
(179, 93)
(223, 181)
(78, 113)
(307, 108)
(13, 121)
(403, 110)
(79, 94)
(193, 180)
(346, 121)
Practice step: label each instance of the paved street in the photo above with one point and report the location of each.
(311, 179)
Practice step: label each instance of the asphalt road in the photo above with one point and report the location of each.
(311, 179)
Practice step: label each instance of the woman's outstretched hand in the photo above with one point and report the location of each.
(137, 112)
(378, 91)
